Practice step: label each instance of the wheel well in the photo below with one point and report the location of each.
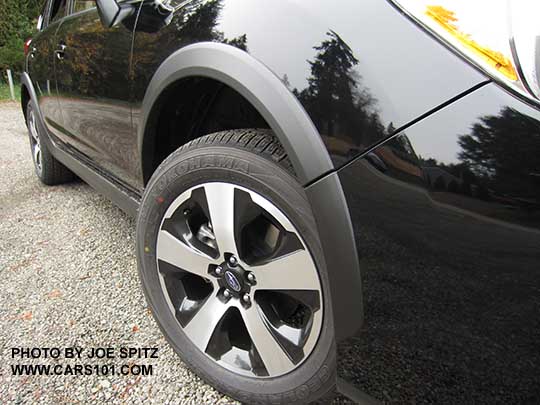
(25, 98)
(189, 109)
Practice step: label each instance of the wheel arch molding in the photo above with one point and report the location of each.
(259, 86)
(29, 93)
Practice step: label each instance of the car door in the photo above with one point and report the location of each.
(41, 63)
(92, 73)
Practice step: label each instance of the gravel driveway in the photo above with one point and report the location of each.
(68, 278)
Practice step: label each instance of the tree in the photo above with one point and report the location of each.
(335, 98)
(286, 82)
(17, 22)
(332, 82)
(239, 42)
(439, 184)
(452, 186)
(199, 20)
(504, 150)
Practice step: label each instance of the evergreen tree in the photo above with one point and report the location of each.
(504, 150)
(18, 19)
(334, 97)
(331, 87)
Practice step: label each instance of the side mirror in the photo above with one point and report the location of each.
(111, 13)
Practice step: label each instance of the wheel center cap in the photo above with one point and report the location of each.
(232, 281)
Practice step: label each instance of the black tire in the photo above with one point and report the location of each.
(49, 170)
(255, 160)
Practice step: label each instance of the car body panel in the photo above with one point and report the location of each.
(382, 82)
(319, 48)
(448, 232)
(40, 64)
(94, 92)
(283, 36)
(349, 122)
(85, 169)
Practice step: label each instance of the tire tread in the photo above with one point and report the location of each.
(248, 140)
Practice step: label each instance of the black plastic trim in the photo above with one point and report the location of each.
(354, 394)
(336, 233)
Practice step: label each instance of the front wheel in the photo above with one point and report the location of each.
(233, 271)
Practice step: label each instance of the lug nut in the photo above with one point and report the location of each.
(251, 277)
(246, 298)
(227, 294)
(233, 261)
(219, 270)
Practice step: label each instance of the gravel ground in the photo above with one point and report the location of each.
(69, 278)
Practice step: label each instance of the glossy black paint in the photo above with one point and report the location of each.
(369, 93)
(93, 87)
(337, 238)
(328, 56)
(41, 65)
(447, 222)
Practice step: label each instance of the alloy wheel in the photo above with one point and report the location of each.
(239, 280)
(35, 142)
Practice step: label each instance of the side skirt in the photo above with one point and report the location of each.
(125, 199)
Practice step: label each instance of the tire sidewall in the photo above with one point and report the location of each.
(199, 165)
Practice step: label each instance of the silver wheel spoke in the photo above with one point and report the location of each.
(34, 142)
(295, 271)
(204, 322)
(36, 153)
(33, 129)
(220, 198)
(275, 360)
(34, 134)
(177, 253)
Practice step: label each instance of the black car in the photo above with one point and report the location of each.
(328, 193)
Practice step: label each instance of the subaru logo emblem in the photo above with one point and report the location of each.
(232, 281)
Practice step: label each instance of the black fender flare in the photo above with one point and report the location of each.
(27, 83)
(298, 135)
